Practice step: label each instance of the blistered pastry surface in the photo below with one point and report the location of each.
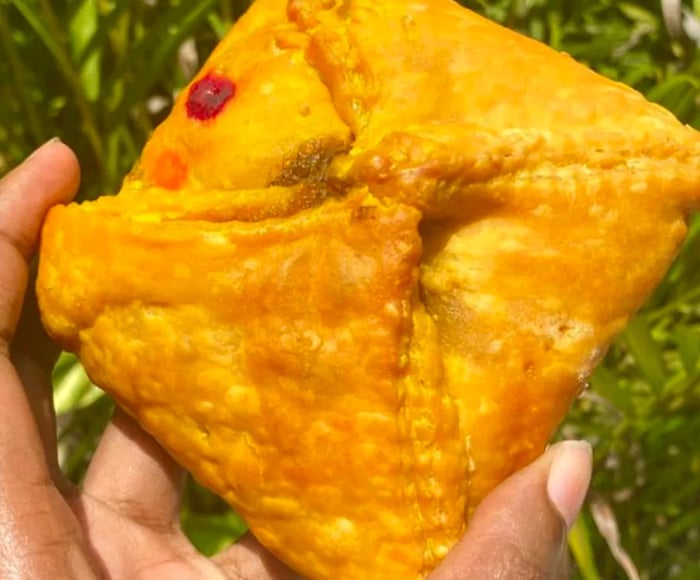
(361, 271)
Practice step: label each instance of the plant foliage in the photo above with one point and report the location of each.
(102, 74)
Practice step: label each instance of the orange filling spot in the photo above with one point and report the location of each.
(167, 170)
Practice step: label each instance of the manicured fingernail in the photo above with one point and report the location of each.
(569, 477)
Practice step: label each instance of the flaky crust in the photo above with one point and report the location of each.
(367, 288)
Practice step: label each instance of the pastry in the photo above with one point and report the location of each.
(363, 268)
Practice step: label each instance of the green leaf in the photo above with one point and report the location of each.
(22, 90)
(582, 549)
(35, 19)
(218, 24)
(687, 341)
(673, 92)
(607, 384)
(212, 533)
(637, 337)
(83, 26)
(156, 48)
(44, 23)
(72, 387)
(638, 13)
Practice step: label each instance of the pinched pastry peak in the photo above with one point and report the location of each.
(506, 104)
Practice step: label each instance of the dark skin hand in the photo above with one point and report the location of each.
(123, 521)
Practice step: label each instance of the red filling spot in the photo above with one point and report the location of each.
(208, 97)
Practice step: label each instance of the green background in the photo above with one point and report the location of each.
(101, 74)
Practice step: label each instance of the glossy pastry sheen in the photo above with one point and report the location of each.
(361, 271)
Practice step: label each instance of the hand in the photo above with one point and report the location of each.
(519, 531)
(123, 521)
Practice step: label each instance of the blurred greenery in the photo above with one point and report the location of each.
(101, 74)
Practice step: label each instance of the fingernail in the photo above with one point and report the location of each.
(569, 478)
(49, 142)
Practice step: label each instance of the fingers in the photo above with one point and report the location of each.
(134, 476)
(38, 535)
(49, 176)
(519, 530)
(139, 483)
(247, 559)
(33, 356)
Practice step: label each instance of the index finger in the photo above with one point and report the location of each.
(49, 176)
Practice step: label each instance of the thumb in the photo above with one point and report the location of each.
(519, 530)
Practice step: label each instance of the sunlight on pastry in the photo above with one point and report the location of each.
(363, 268)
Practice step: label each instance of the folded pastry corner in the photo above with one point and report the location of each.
(361, 271)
